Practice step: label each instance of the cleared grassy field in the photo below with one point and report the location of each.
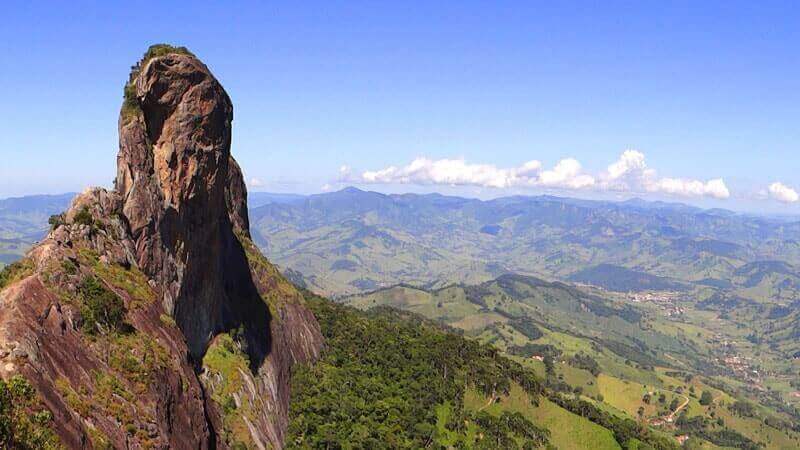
(756, 430)
(627, 396)
(579, 378)
(478, 321)
(567, 343)
(623, 395)
(567, 430)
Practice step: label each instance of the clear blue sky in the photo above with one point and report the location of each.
(705, 91)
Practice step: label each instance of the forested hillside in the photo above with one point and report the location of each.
(393, 379)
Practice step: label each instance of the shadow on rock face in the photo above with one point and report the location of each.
(246, 312)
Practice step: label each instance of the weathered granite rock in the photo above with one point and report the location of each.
(172, 172)
(172, 242)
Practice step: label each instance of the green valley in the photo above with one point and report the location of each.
(682, 375)
(352, 241)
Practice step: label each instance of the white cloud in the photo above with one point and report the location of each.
(458, 172)
(451, 172)
(528, 169)
(566, 174)
(628, 174)
(630, 162)
(631, 174)
(783, 193)
(715, 188)
(255, 182)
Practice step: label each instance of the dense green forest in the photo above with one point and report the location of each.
(392, 379)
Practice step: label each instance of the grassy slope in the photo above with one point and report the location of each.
(568, 431)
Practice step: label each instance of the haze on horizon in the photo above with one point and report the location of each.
(681, 102)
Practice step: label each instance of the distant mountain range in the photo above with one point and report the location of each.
(352, 241)
(23, 221)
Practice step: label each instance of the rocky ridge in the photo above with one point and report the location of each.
(147, 318)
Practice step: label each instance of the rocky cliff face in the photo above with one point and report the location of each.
(201, 355)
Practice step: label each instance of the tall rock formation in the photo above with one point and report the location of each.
(202, 356)
(173, 170)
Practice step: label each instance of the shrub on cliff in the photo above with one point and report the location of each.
(157, 50)
(130, 105)
(102, 310)
(56, 221)
(24, 423)
(84, 217)
(15, 272)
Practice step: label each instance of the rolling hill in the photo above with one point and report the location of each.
(434, 240)
(600, 351)
(621, 279)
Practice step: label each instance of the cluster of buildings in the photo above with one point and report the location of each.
(742, 369)
(666, 300)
